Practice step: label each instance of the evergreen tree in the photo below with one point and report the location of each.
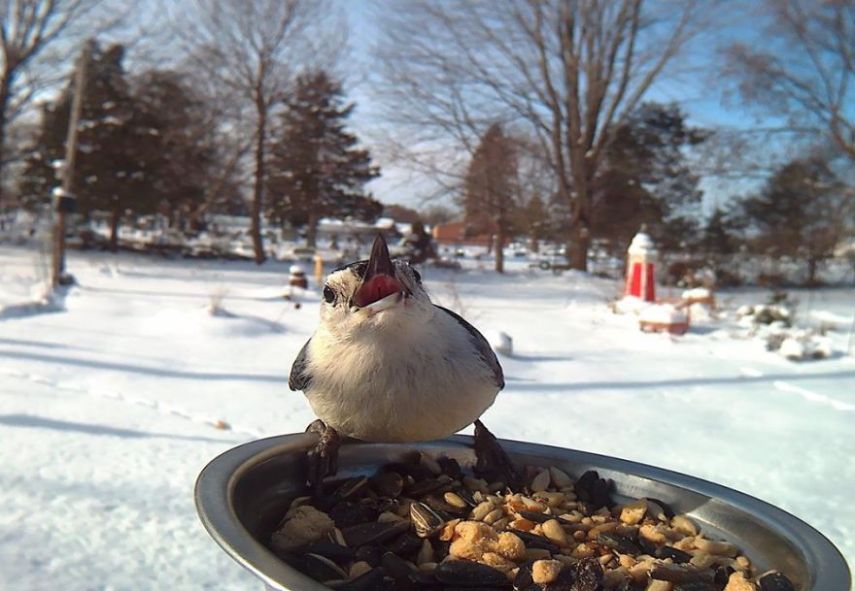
(647, 180)
(187, 161)
(316, 168)
(117, 146)
(39, 177)
(401, 213)
(535, 218)
(118, 143)
(802, 212)
(143, 148)
(721, 233)
(489, 197)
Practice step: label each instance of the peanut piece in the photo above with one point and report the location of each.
(541, 481)
(684, 525)
(737, 582)
(560, 478)
(554, 532)
(358, 568)
(545, 571)
(633, 513)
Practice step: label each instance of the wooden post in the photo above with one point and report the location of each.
(319, 270)
(64, 199)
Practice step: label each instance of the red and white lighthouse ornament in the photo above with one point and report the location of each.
(640, 271)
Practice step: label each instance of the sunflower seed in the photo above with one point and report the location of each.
(455, 500)
(351, 487)
(373, 532)
(389, 484)
(430, 464)
(468, 574)
(775, 581)
(425, 520)
(321, 568)
(425, 554)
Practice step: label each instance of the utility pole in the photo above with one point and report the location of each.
(64, 200)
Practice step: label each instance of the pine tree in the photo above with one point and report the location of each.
(186, 161)
(721, 233)
(316, 168)
(39, 177)
(802, 212)
(489, 197)
(536, 220)
(144, 147)
(647, 179)
(117, 146)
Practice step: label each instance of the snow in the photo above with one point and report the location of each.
(792, 349)
(630, 304)
(642, 245)
(110, 404)
(697, 293)
(501, 342)
(799, 345)
(662, 314)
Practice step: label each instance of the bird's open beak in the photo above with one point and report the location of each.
(380, 288)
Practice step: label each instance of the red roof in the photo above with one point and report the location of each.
(455, 233)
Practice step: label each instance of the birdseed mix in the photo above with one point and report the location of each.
(424, 524)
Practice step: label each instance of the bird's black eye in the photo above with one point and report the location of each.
(329, 294)
(417, 275)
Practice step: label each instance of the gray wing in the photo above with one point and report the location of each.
(483, 347)
(300, 377)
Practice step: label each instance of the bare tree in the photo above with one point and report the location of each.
(251, 51)
(28, 28)
(567, 69)
(804, 68)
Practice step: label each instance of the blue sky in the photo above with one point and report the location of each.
(697, 91)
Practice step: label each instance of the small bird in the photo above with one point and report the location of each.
(387, 365)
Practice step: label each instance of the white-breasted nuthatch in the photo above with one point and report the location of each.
(386, 364)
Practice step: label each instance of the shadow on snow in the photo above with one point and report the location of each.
(32, 421)
(140, 369)
(687, 382)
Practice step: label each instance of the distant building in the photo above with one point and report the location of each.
(459, 233)
(364, 232)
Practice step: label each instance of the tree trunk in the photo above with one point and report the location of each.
(580, 226)
(500, 249)
(5, 89)
(258, 187)
(812, 266)
(579, 247)
(312, 231)
(115, 215)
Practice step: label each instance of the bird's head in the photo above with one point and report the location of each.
(374, 295)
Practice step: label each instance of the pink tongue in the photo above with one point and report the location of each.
(375, 289)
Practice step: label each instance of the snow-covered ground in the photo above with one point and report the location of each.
(109, 404)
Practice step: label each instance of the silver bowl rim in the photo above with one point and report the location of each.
(216, 483)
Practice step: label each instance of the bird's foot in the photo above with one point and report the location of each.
(323, 458)
(492, 463)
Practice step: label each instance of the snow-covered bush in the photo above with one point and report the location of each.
(779, 310)
(799, 344)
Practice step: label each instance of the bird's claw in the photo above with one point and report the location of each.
(492, 463)
(323, 458)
